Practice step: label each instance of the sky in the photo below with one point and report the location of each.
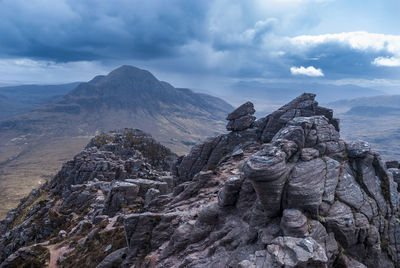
(203, 44)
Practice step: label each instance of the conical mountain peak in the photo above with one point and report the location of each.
(130, 72)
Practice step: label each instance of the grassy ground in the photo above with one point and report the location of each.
(20, 176)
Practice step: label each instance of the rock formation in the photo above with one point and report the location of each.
(282, 191)
(241, 118)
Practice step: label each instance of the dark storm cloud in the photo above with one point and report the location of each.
(227, 38)
(72, 30)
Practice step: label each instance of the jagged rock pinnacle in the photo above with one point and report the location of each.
(241, 118)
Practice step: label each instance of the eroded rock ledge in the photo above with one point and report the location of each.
(281, 191)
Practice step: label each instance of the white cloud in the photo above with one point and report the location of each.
(361, 41)
(358, 40)
(387, 62)
(309, 71)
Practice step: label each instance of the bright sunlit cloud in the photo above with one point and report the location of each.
(359, 41)
(388, 62)
(309, 71)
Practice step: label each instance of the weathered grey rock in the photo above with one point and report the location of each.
(388, 186)
(294, 223)
(100, 218)
(392, 164)
(237, 153)
(243, 110)
(306, 185)
(268, 233)
(348, 262)
(290, 148)
(241, 118)
(62, 234)
(303, 106)
(122, 194)
(247, 264)
(82, 226)
(369, 180)
(145, 185)
(325, 131)
(199, 158)
(291, 133)
(268, 172)
(203, 179)
(327, 240)
(334, 149)
(396, 176)
(139, 228)
(341, 222)
(241, 123)
(115, 259)
(77, 199)
(229, 193)
(308, 154)
(333, 169)
(150, 196)
(33, 256)
(179, 239)
(298, 252)
(350, 193)
(358, 149)
(264, 259)
(169, 180)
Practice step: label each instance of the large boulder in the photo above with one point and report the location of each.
(294, 223)
(241, 118)
(297, 252)
(122, 194)
(303, 106)
(243, 110)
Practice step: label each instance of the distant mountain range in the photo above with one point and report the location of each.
(15, 100)
(268, 96)
(127, 97)
(381, 100)
(32, 145)
(374, 119)
(374, 111)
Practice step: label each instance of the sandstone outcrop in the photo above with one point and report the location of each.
(281, 191)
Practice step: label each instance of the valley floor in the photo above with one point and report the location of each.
(383, 133)
(33, 168)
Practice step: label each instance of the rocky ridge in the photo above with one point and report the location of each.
(281, 191)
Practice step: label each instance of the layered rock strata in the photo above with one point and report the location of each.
(282, 191)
